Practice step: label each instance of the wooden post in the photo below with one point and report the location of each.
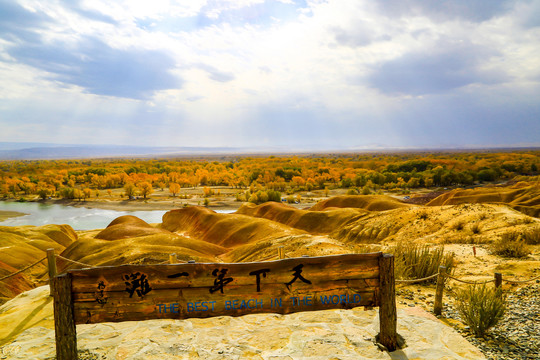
(387, 309)
(437, 308)
(280, 252)
(498, 283)
(172, 258)
(64, 322)
(51, 259)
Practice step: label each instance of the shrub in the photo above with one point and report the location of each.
(481, 307)
(475, 228)
(459, 225)
(511, 244)
(263, 196)
(274, 195)
(423, 215)
(67, 193)
(413, 261)
(532, 236)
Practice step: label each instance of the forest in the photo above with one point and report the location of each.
(265, 176)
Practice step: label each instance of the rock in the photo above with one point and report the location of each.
(343, 334)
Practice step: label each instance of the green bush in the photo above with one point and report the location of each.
(413, 261)
(263, 196)
(511, 244)
(481, 307)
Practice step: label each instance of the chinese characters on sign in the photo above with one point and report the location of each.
(297, 275)
(100, 293)
(139, 284)
(221, 280)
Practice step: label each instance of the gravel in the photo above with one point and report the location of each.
(517, 336)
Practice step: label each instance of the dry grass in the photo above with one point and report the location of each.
(511, 244)
(413, 261)
(481, 307)
(532, 236)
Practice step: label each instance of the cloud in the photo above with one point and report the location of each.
(337, 73)
(101, 69)
(361, 34)
(79, 7)
(448, 67)
(215, 74)
(472, 10)
(18, 23)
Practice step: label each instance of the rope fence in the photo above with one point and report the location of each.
(470, 282)
(417, 280)
(24, 269)
(522, 281)
(74, 262)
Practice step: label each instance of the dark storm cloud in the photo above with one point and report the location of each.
(473, 10)
(101, 69)
(449, 67)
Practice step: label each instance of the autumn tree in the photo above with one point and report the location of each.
(145, 188)
(174, 188)
(87, 193)
(130, 190)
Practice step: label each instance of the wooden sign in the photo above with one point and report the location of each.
(179, 291)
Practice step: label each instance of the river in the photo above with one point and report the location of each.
(79, 218)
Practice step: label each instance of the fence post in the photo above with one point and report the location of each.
(387, 309)
(172, 258)
(64, 322)
(280, 252)
(498, 284)
(437, 308)
(51, 259)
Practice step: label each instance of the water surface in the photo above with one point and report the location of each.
(78, 218)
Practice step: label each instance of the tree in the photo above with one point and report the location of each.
(78, 194)
(44, 192)
(174, 188)
(87, 193)
(145, 188)
(130, 190)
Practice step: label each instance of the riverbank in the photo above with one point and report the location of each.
(4, 214)
(149, 204)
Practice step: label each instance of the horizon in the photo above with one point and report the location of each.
(103, 152)
(308, 75)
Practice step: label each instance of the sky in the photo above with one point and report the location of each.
(284, 74)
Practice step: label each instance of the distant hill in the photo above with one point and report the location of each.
(41, 151)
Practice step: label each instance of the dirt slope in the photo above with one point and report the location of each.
(130, 240)
(24, 245)
(366, 202)
(314, 222)
(523, 196)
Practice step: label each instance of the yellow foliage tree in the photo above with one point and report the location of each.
(174, 188)
(145, 188)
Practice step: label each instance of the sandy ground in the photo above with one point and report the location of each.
(4, 215)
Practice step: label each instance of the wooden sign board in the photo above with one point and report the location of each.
(179, 291)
